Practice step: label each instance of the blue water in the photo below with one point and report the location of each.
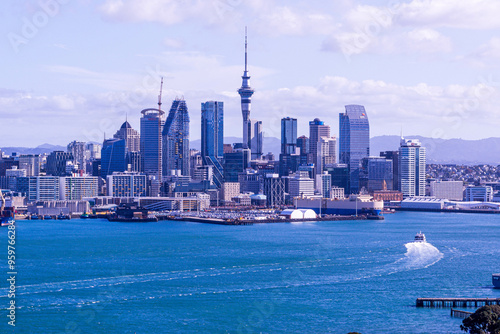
(93, 276)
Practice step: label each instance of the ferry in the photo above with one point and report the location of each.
(420, 237)
(496, 280)
(354, 205)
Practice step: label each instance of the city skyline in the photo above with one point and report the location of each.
(429, 70)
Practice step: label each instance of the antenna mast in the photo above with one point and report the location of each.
(245, 49)
(159, 96)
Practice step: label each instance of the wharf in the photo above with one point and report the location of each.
(459, 313)
(488, 211)
(218, 221)
(454, 302)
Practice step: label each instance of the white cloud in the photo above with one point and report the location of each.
(487, 55)
(472, 14)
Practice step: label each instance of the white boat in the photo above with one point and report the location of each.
(420, 237)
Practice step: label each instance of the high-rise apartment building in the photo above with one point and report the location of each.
(412, 168)
(39, 188)
(317, 129)
(78, 188)
(354, 144)
(31, 163)
(127, 185)
(176, 139)
(326, 153)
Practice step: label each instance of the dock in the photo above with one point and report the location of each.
(460, 314)
(455, 302)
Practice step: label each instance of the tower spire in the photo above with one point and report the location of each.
(159, 96)
(246, 48)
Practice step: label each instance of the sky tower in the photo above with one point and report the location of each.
(246, 93)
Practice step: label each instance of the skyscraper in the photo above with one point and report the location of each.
(176, 139)
(256, 139)
(113, 156)
(212, 138)
(303, 145)
(354, 144)
(317, 129)
(288, 135)
(412, 168)
(152, 122)
(326, 153)
(246, 93)
(131, 137)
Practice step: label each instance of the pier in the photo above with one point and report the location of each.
(459, 313)
(455, 302)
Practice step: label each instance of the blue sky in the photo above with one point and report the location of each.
(74, 69)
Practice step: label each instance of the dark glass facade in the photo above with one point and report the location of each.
(113, 156)
(354, 142)
(176, 139)
(288, 135)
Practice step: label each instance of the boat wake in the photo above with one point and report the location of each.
(420, 255)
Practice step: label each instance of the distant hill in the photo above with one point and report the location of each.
(446, 151)
(45, 148)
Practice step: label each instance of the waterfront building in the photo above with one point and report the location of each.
(56, 163)
(80, 156)
(451, 190)
(274, 190)
(128, 184)
(132, 137)
(39, 188)
(152, 122)
(301, 185)
(113, 156)
(479, 194)
(229, 190)
(412, 166)
(11, 176)
(246, 93)
(176, 139)
(388, 195)
(337, 192)
(354, 142)
(317, 129)
(78, 188)
(212, 139)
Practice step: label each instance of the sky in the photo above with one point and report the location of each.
(77, 69)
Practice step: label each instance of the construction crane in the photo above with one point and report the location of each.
(159, 96)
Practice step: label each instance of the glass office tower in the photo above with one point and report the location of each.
(354, 142)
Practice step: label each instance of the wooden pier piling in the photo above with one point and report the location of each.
(456, 302)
